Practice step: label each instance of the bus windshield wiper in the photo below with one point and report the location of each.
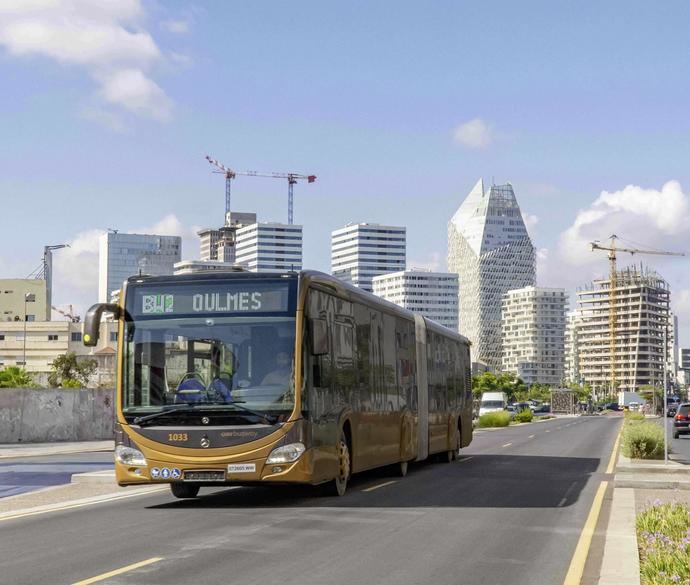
(167, 410)
(271, 420)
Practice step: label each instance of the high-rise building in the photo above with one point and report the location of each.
(361, 251)
(572, 360)
(490, 250)
(642, 300)
(23, 299)
(124, 255)
(432, 294)
(534, 334)
(219, 244)
(265, 247)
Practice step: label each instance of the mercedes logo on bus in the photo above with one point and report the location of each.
(205, 420)
(205, 443)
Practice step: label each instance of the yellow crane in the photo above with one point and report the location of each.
(613, 275)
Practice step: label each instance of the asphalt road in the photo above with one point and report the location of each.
(27, 474)
(509, 512)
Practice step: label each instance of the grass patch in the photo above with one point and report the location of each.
(643, 440)
(524, 416)
(633, 416)
(494, 419)
(663, 539)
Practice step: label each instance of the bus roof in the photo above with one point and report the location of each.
(307, 277)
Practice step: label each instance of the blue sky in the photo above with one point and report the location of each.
(109, 108)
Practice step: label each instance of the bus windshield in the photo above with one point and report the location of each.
(196, 348)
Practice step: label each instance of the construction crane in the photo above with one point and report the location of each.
(69, 314)
(230, 174)
(613, 276)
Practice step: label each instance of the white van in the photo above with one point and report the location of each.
(492, 402)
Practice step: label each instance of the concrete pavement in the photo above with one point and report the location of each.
(16, 450)
(510, 511)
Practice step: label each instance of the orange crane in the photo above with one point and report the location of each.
(613, 275)
(230, 174)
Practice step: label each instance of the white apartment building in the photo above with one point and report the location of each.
(636, 353)
(431, 294)
(534, 334)
(361, 251)
(34, 345)
(220, 244)
(124, 255)
(267, 247)
(490, 250)
(572, 360)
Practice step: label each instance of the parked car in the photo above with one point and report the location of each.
(612, 406)
(521, 406)
(681, 421)
(671, 409)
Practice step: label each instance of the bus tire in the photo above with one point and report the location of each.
(184, 490)
(339, 484)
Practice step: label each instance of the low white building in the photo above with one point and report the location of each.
(267, 247)
(33, 345)
(533, 340)
(432, 294)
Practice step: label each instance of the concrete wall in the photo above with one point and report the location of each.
(42, 416)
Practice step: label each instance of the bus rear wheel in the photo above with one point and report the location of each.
(184, 490)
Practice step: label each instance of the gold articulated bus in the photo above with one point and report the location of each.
(231, 378)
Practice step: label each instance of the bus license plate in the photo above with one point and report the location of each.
(214, 475)
(242, 468)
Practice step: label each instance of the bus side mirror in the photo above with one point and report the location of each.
(92, 322)
(318, 331)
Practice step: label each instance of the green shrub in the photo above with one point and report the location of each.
(524, 416)
(663, 539)
(631, 416)
(494, 419)
(643, 440)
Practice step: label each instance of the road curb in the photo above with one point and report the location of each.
(621, 562)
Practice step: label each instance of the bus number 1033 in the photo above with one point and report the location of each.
(177, 437)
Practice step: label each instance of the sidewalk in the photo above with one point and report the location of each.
(17, 450)
(637, 484)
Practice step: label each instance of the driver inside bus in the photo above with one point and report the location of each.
(224, 366)
(280, 376)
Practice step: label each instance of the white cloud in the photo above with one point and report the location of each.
(531, 222)
(659, 218)
(475, 134)
(179, 27)
(105, 38)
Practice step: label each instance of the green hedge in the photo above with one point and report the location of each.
(632, 416)
(663, 538)
(524, 416)
(494, 419)
(643, 440)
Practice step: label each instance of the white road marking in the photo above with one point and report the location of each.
(375, 487)
(507, 445)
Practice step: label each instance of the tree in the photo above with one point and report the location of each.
(15, 377)
(509, 383)
(69, 372)
(583, 392)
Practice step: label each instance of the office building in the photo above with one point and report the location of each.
(267, 247)
(534, 334)
(125, 255)
(636, 353)
(572, 361)
(219, 244)
(23, 299)
(432, 294)
(490, 250)
(361, 251)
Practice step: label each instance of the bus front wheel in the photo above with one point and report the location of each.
(184, 490)
(340, 482)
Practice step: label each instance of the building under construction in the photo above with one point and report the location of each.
(635, 352)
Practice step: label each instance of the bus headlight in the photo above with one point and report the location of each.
(129, 456)
(286, 453)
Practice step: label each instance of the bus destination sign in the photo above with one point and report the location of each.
(204, 300)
